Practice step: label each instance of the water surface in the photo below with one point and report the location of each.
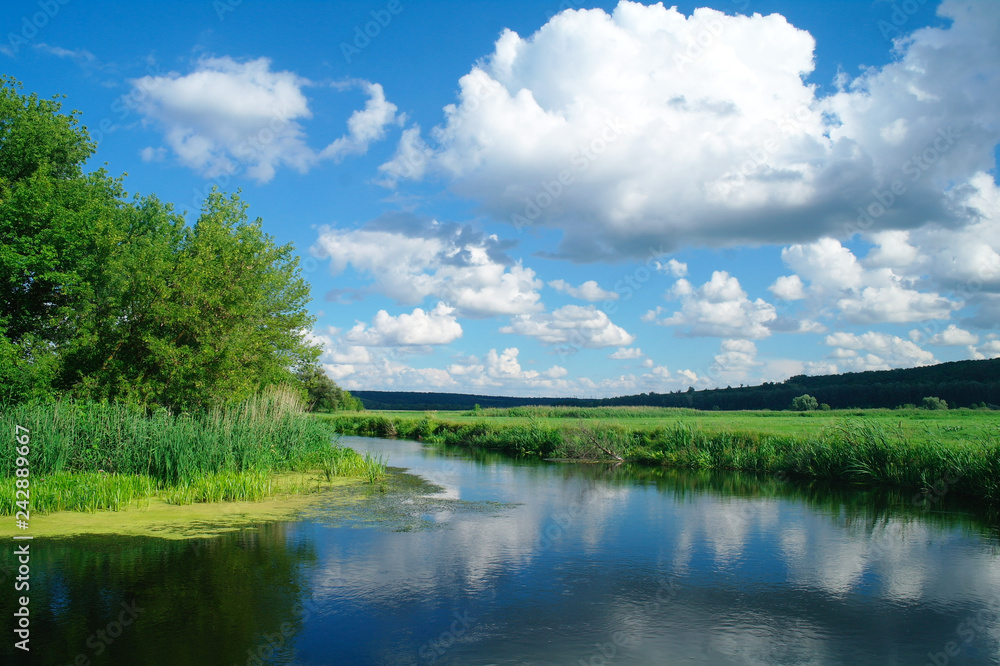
(514, 562)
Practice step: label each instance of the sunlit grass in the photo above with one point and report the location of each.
(856, 446)
(87, 456)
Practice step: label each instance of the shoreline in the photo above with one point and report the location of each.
(154, 516)
(855, 450)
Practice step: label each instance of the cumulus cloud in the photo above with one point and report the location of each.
(365, 125)
(718, 308)
(389, 374)
(571, 325)
(841, 283)
(788, 288)
(228, 115)
(626, 353)
(568, 128)
(677, 269)
(503, 369)
(875, 351)
(989, 350)
(894, 303)
(437, 327)
(735, 360)
(953, 336)
(588, 291)
(411, 259)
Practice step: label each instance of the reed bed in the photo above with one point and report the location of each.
(87, 456)
(853, 450)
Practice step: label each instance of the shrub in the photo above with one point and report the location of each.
(805, 403)
(933, 403)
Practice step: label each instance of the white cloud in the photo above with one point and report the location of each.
(411, 260)
(82, 55)
(365, 125)
(150, 154)
(588, 291)
(954, 336)
(989, 350)
(788, 288)
(388, 374)
(826, 264)
(875, 351)
(569, 127)
(572, 325)
(894, 303)
(892, 250)
(229, 115)
(437, 327)
(718, 308)
(410, 160)
(626, 353)
(843, 286)
(677, 269)
(735, 360)
(503, 370)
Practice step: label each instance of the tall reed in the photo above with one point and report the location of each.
(116, 453)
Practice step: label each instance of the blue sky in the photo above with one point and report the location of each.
(575, 199)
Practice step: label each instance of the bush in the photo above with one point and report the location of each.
(805, 403)
(933, 403)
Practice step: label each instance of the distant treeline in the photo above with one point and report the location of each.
(960, 383)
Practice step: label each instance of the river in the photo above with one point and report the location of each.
(527, 562)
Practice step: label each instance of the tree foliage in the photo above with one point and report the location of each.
(932, 402)
(107, 297)
(323, 394)
(804, 403)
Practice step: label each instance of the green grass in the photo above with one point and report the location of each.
(912, 449)
(86, 456)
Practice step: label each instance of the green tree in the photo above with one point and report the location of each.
(804, 403)
(323, 393)
(51, 215)
(933, 403)
(200, 315)
(111, 298)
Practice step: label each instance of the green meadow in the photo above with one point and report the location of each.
(932, 451)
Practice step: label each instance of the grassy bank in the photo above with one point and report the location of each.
(86, 456)
(958, 454)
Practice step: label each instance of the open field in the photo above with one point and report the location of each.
(932, 451)
(916, 425)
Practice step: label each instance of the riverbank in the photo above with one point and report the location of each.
(87, 456)
(155, 516)
(960, 454)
